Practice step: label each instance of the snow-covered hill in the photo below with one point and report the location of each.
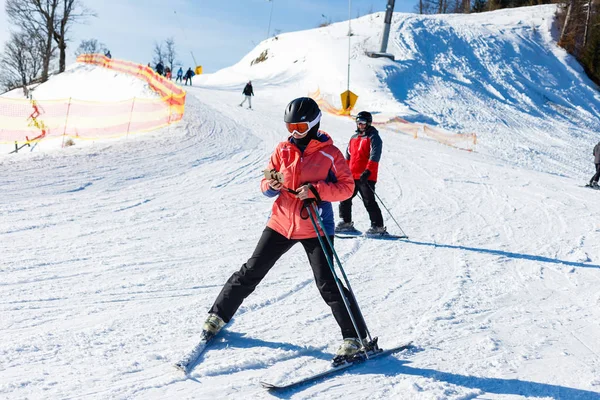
(112, 253)
(88, 82)
(498, 74)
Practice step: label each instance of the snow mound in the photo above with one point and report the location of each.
(90, 83)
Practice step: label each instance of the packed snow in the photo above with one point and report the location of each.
(112, 252)
(89, 83)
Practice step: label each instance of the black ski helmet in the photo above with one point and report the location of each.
(302, 109)
(365, 115)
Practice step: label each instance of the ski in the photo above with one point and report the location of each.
(353, 235)
(348, 234)
(592, 187)
(333, 370)
(189, 361)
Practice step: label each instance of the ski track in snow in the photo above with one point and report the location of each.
(113, 252)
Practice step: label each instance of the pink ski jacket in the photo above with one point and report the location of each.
(322, 165)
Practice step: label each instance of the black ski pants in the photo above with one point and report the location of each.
(270, 248)
(367, 192)
(596, 177)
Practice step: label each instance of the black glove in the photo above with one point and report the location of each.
(364, 177)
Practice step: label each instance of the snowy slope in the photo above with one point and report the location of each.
(88, 82)
(112, 253)
(498, 74)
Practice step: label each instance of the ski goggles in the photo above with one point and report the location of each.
(361, 121)
(302, 128)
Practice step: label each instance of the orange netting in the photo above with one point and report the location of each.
(21, 120)
(463, 141)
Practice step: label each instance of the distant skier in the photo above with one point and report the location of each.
(160, 68)
(315, 168)
(107, 54)
(179, 75)
(363, 155)
(248, 93)
(594, 180)
(188, 76)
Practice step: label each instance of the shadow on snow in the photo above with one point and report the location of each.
(393, 367)
(508, 254)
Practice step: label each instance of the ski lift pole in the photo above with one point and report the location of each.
(349, 50)
(332, 267)
(270, 16)
(185, 37)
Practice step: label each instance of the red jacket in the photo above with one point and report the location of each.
(364, 152)
(321, 164)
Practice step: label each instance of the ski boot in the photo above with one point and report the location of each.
(353, 350)
(212, 326)
(377, 231)
(345, 227)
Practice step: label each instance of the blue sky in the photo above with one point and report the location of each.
(218, 33)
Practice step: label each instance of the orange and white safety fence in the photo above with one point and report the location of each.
(93, 119)
(463, 141)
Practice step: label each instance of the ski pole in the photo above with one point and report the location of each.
(386, 209)
(315, 210)
(339, 263)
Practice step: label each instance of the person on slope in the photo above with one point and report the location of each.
(316, 169)
(188, 76)
(160, 68)
(248, 92)
(179, 75)
(363, 154)
(596, 177)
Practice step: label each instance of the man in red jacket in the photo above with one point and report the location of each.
(315, 169)
(363, 154)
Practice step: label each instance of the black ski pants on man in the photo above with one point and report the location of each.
(596, 177)
(367, 192)
(270, 248)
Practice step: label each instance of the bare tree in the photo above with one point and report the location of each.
(20, 63)
(159, 53)
(457, 7)
(69, 12)
(587, 22)
(51, 19)
(493, 5)
(479, 6)
(566, 24)
(428, 6)
(170, 52)
(36, 17)
(466, 6)
(442, 6)
(91, 46)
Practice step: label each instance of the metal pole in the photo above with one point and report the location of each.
(386, 209)
(130, 115)
(349, 36)
(339, 263)
(185, 37)
(66, 122)
(270, 16)
(170, 105)
(389, 13)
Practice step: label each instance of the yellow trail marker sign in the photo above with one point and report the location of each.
(348, 100)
